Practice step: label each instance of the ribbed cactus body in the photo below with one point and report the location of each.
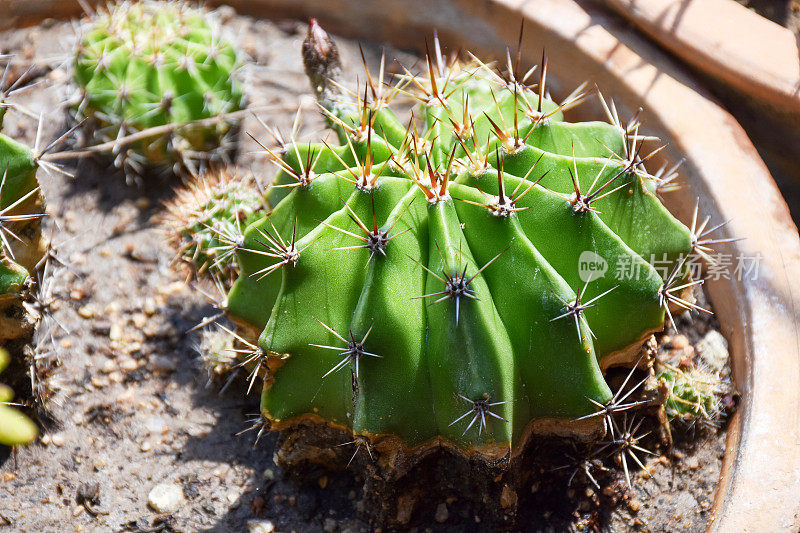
(152, 63)
(431, 283)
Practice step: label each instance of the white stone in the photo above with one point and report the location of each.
(165, 498)
(260, 526)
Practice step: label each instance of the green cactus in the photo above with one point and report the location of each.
(151, 63)
(692, 393)
(435, 284)
(15, 428)
(206, 220)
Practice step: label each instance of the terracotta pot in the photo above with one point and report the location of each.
(726, 40)
(760, 480)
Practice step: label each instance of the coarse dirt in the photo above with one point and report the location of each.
(134, 408)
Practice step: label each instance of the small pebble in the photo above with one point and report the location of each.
(508, 497)
(149, 307)
(161, 363)
(58, 439)
(442, 514)
(139, 321)
(128, 364)
(115, 333)
(108, 366)
(260, 526)
(165, 498)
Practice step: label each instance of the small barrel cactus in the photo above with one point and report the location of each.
(692, 394)
(206, 222)
(147, 64)
(15, 427)
(465, 277)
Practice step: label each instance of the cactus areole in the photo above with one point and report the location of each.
(461, 278)
(142, 65)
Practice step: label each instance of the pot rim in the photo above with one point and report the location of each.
(760, 475)
(727, 40)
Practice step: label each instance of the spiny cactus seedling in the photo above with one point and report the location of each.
(461, 278)
(206, 222)
(693, 394)
(15, 427)
(149, 64)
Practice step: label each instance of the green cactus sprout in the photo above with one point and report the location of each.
(15, 428)
(206, 221)
(149, 64)
(692, 394)
(464, 277)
